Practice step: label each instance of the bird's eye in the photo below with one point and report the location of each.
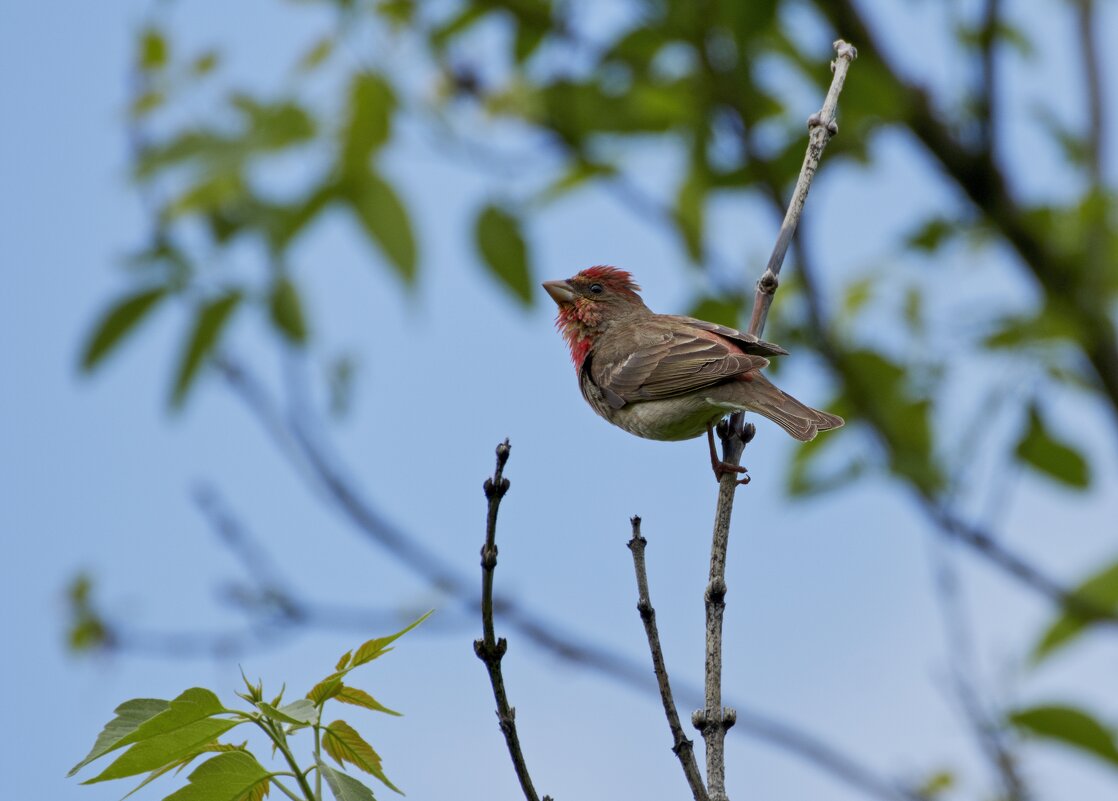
(596, 289)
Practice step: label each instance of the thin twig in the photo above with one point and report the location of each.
(681, 746)
(822, 126)
(489, 649)
(713, 720)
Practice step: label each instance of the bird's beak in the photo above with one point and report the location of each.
(560, 291)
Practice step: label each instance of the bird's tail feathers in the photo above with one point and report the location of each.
(798, 419)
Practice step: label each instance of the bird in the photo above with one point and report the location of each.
(664, 376)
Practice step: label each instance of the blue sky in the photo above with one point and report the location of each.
(831, 622)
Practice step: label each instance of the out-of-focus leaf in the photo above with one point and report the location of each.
(723, 309)
(86, 629)
(318, 53)
(882, 392)
(215, 190)
(691, 211)
(1070, 726)
(153, 50)
(578, 173)
(369, 120)
(204, 64)
(469, 14)
(857, 294)
(932, 234)
(339, 381)
(1016, 331)
(117, 322)
(209, 322)
(1101, 589)
(638, 47)
(227, 777)
(343, 786)
(146, 102)
(286, 311)
(1048, 455)
(385, 221)
(529, 35)
(936, 784)
(502, 248)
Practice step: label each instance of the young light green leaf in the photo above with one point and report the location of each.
(326, 689)
(502, 247)
(226, 777)
(356, 697)
(371, 649)
(120, 318)
(179, 764)
(1069, 726)
(343, 786)
(129, 716)
(344, 744)
(1039, 449)
(1100, 588)
(343, 660)
(287, 311)
(317, 54)
(211, 319)
(298, 713)
(385, 220)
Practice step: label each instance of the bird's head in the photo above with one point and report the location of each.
(590, 302)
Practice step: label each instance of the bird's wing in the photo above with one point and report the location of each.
(749, 343)
(664, 359)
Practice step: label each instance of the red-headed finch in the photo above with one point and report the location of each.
(665, 377)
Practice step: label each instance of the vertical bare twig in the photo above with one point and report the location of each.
(822, 126)
(713, 719)
(681, 746)
(489, 649)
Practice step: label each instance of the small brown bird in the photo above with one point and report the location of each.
(666, 377)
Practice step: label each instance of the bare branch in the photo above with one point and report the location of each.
(822, 126)
(1092, 80)
(489, 649)
(681, 746)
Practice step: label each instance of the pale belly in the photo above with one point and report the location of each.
(669, 420)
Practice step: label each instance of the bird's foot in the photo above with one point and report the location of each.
(725, 468)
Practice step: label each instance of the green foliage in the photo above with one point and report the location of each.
(1040, 450)
(210, 320)
(1071, 727)
(1101, 589)
(122, 316)
(501, 245)
(161, 736)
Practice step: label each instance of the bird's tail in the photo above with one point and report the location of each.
(764, 398)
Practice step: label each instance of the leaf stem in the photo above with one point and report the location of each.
(281, 744)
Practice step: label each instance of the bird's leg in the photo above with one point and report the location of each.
(720, 467)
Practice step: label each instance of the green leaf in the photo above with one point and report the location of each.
(179, 764)
(344, 744)
(299, 713)
(326, 689)
(343, 660)
(1043, 452)
(343, 786)
(378, 646)
(356, 697)
(205, 63)
(369, 122)
(226, 777)
(211, 319)
(502, 248)
(287, 311)
(724, 310)
(932, 234)
(129, 716)
(153, 50)
(1101, 589)
(690, 211)
(121, 317)
(385, 220)
(185, 726)
(1070, 726)
(317, 54)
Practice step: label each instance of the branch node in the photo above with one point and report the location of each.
(489, 556)
(729, 717)
(699, 720)
(716, 591)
